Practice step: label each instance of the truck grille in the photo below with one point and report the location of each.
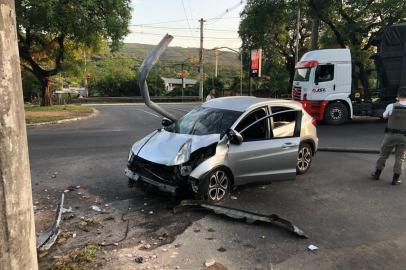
(296, 93)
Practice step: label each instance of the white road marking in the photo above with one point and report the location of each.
(149, 113)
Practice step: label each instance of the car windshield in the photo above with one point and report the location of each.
(204, 121)
(302, 74)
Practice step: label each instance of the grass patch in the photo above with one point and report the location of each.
(77, 259)
(39, 114)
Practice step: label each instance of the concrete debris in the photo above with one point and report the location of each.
(147, 246)
(312, 248)
(249, 217)
(209, 263)
(95, 208)
(46, 239)
(66, 210)
(139, 259)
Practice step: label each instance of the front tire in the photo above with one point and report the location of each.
(336, 113)
(304, 158)
(216, 186)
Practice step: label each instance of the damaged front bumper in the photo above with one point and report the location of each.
(137, 177)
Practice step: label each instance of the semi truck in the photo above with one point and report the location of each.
(323, 80)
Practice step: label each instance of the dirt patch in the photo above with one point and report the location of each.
(48, 114)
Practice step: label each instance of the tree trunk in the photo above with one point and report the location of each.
(17, 232)
(46, 92)
(363, 77)
(315, 33)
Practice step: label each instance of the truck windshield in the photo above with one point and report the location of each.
(204, 121)
(302, 74)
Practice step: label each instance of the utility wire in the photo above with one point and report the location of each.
(188, 23)
(183, 28)
(183, 36)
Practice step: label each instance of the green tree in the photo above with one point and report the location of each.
(49, 31)
(271, 25)
(354, 24)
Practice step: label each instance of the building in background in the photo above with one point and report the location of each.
(172, 83)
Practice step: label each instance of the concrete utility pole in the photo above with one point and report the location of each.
(201, 60)
(17, 232)
(216, 53)
(183, 79)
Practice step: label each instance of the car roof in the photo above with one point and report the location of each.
(245, 103)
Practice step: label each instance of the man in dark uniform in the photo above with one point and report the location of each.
(395, 138)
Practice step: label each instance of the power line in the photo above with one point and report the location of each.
(162, 22)
(183, 36)
(228, 10)
(184, 28)
(187, 20)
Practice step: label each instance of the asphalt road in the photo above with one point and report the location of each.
(357, 223)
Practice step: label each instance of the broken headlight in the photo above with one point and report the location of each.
(184, 152)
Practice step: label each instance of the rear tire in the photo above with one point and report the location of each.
(336, 113)
(216, 186)
(304, 158)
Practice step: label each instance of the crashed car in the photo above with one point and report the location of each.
(224, 143)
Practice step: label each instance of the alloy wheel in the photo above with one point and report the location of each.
(304, 158)
(218, 186)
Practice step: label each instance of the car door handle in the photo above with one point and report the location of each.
(288, 145)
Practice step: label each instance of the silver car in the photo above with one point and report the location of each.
(226, 142)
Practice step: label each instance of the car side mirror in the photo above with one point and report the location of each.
(166, 122)
(234, 136)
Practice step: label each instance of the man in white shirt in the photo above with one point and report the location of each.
(395, 138)
(211, 95)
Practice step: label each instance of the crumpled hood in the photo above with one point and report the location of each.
(163, 146)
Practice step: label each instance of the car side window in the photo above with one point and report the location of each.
(259, 131)
(283, 124)
(324, 73)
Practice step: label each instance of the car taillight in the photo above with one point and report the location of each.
(314, 122)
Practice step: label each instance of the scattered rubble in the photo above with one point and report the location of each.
(312, 248)
(95, 208)
(209, 262)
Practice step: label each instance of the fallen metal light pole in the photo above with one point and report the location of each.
(249, 217)
(146, 67)
(46, 239)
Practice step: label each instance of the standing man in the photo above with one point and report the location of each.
(211, 95)
(395, 137)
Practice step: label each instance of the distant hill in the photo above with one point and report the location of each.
(228, 62)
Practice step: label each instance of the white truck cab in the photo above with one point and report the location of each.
(322, 83)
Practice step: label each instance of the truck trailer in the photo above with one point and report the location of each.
(323, 80)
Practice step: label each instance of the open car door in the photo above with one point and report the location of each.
(261, 157)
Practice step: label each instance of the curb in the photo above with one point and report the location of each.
(348, 150)
(93, 114)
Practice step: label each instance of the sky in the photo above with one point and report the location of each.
(152, 19)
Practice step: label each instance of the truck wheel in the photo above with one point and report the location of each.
(304, 158)
(336, 113)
